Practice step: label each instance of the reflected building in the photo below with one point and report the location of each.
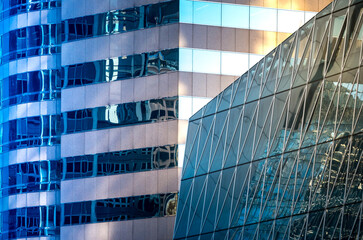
(278, 154)
(95, 101)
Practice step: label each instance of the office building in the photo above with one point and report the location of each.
(278, 154)
(95, 97)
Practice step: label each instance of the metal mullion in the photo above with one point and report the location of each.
(230, 185)
(234, 134)
(262, 128)
(204, 147)
(318, 135)
(338, 123)
(211, 203)
(219, 140)
(348, 48)
(196, 206)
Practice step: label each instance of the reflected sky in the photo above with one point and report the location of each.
(216, 62)
(242, 16)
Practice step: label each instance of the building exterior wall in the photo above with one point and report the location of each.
(95, 98)
(277, 154)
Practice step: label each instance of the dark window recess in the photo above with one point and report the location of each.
(11, 8)
(120, 21)
(30, 222)
(111, 163)
(30, 132)
(120, 209)
(30, 87)
(30, 177)
(149, 111)
(120, 68)
(30, 41)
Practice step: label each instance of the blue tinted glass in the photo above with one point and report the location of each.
(120, 68)
(30, 41)
(30, 222)
(120, 209)
(236, 16)
(31, 131)
(119, 21)
(208, 13)
(123, 114)
(186, 11)
(11, 8)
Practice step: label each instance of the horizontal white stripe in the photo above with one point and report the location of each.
(79, 8)
(28, 110)
(124, 138)
(118, 92)
(142, 229)
(242, 16)
(216, 62)
(124, 44)
(33, 18)
(122, 185)
(29, 155)
(32, 199)
(28, 64)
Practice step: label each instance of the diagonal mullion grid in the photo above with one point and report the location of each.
(316, 118)
(196, 207)
(210, 132)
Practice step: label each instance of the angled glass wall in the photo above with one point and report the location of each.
(278, 154)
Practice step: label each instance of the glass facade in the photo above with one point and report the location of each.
(121, 21)
(228, 14)
(154, 110)
(30, 177)
(119, 209)
(30, 222)
(29, 87)
(30, 41)
(120, 162)
(46, 175)
(30, 132)
(15, 7)
(94, 100)
(278, 154)
(121, 68)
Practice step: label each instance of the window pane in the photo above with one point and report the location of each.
(290, 21)
(206, 61)
(207, 13)
(236, 16)
(263, 19)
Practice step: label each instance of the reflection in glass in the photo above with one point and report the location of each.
(120, 68)
(30, 41)
(119, 21)
(299, 146)
(149, 111)
(119, 209)
(30, 87)
(129, 161)
(15, 7)
(30, 132)
(30, 222)
(30, 177)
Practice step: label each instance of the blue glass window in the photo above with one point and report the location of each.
(14, 7)
(30, 41)
(128, 161)
(30, 87)
(149, 111)
(119, 209)
(120, 68)
(30, 132)
(30, 177)
(30, 222)
(120, 21)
